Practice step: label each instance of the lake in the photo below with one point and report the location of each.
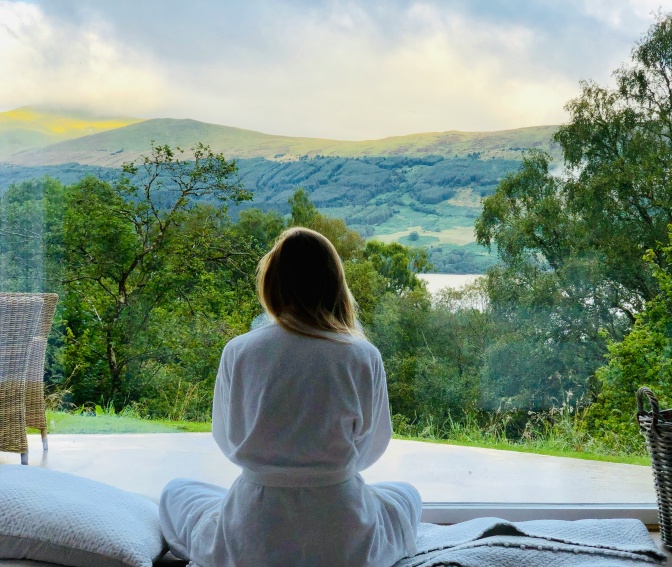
(436, 282)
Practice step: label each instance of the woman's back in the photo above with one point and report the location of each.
(301, 406)
(299, 410)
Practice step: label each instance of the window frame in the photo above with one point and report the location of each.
(452, 513)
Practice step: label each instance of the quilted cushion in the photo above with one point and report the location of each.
(61, 518)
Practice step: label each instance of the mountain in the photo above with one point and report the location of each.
(115, 146)
(420, 189)
(28, 127)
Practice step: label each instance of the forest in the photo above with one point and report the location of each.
(156, 274)
(371, 194)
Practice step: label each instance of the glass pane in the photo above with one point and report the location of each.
(514, 275)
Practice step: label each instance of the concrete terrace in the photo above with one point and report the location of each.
(451, 475)
(144, 463)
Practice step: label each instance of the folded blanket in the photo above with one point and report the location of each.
(485, 542)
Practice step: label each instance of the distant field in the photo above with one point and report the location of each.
(458, 235)
(417, 242)
(466, 198)
(451, 224)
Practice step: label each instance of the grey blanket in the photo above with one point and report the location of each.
(488, 542)
(492, 542)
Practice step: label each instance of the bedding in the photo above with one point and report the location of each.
(61, 518)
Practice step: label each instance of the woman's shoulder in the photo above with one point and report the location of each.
(356, 345)
(269, 331)
(368, 351)
(363, 344)
(271, 335)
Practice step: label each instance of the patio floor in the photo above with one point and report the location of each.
(144, 463)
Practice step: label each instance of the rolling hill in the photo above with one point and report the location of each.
(28, 128)
(115, 146)
(420, 189)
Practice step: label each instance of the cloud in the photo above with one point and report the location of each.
(61, 64)
(329, 68)
(620, 14)
(346, 76)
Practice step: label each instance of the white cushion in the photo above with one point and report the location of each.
(65, 519)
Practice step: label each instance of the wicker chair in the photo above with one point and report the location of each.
(25, 322)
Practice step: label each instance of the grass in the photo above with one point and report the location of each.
(63, 422)
(423, 240)
(537, 449)
(439, 217)
(560, 432)
(73, 423)
(459, 236)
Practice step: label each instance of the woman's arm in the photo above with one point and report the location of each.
(220, 404)
(374, 443)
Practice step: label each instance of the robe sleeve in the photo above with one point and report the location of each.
(220, 405)
(373, 445)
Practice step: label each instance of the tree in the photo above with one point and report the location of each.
(398, 264)
(398, 332)
(348, 243)
(263, 227)
(572, 243)
(28, 212)
(433, 350)
(31, 218)
(303, 212)
(643, 358)
(143, 256)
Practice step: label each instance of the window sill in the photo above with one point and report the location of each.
(443, 513)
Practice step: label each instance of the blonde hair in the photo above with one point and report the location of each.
(301, 284)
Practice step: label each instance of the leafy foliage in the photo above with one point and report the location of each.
(156, 276)
(643, 358)
(433, 352)
(572, 244)
(370, 194)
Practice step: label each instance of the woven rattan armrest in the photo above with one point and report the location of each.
(24, 328)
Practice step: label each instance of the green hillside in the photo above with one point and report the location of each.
(420, 190)
(428, 201)
(28, 128)
(113, 147)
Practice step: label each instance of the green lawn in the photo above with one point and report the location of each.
(540, 450)
(62, 423)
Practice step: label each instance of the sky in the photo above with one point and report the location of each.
(343, 69)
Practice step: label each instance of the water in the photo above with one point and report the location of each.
(436, 282)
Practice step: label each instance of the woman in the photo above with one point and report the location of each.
(301, 405)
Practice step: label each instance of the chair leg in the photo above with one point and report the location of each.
(24, 458)
(45, 443)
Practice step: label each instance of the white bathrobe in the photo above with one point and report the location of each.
(301, 416)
